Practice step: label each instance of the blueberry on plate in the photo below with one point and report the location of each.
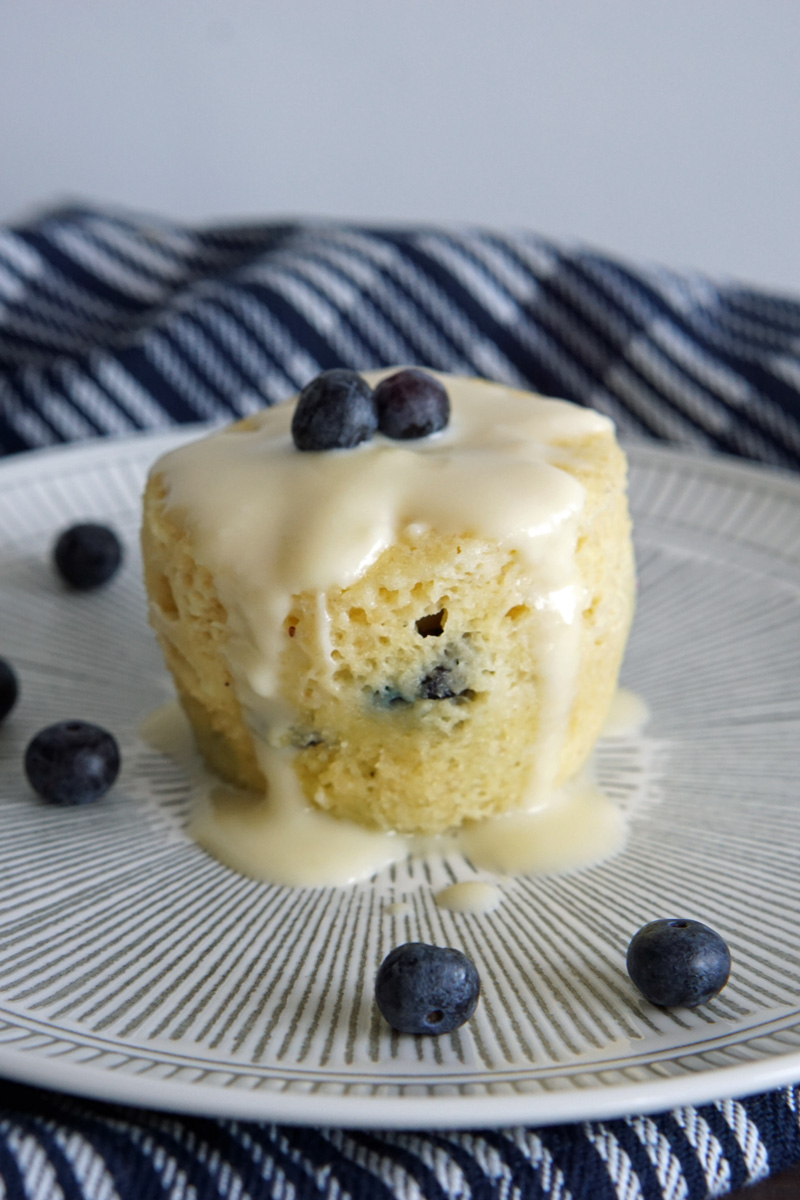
(427, 989)
(72, 762)
(9, 688)
(411, 404)
(87, 555)
(335, 411)
(676, 961)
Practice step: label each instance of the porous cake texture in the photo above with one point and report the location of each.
(455, 676)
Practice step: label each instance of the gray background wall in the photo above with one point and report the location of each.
(658, 129)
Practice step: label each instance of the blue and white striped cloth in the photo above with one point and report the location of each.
(110, 324)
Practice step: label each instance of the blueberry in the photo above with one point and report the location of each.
(427, 989)
(9, 688)
(440, 684)
(678, 962)
(87, 555)
(72, 762)
(411, 404)
(335, 411)
(447, 681)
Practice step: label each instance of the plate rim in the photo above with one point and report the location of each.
(408, 1111)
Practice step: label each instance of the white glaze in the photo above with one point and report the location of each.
(577, 826)
(472, 896)
(628, 715)
(280, 838)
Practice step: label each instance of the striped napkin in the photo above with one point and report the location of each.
(110, 324)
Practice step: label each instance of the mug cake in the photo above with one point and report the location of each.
(408, 592)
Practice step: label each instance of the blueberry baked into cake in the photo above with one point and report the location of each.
(406, 593)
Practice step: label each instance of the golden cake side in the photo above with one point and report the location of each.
(191, 626)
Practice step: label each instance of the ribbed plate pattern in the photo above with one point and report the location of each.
(127, 954)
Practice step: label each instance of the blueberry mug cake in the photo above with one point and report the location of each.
(409, 593)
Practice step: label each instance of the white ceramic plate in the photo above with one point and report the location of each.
(134, 968)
